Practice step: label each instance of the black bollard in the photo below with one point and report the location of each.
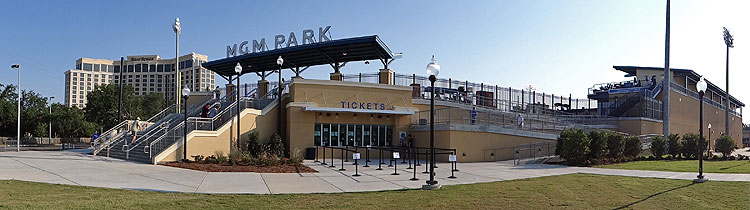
(390, 162)
(414, 177)
(404, 160)
(455, 164)
(416, 162)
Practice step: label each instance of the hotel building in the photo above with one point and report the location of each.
(146, 73)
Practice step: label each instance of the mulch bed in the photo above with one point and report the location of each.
(239, 168)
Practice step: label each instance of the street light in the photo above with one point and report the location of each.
(433, 69)
(18, 91)
(185, 95)
(176, 28)
(709, 137)
(729, 41)
(238, 70)
(280, 62)
(50, 120)
(701, 86)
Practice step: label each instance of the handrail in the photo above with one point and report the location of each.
(177, 127)
(169, 108)
(145, 136)
(99, 147)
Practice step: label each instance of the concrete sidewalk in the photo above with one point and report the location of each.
(78, 168)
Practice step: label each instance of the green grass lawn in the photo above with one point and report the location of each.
(728, 166)
(575, 191)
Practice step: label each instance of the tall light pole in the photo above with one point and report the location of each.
(433, 69)
(701, 86)
(178, 80)
(729, 41)
(667, 82)
(280, 62)
(18, 112)
(238, 70)
(50, 120)
(185, 95)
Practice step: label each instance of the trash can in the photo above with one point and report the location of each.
(310, 153)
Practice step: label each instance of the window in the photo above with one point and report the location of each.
(130, 68)
(75, 74)
(137, 76)
(117, 69)
(78, 66)
(152, 68)
(167, 67)
(87, 67)
(110, 68)
(160, 68)
(137, 68)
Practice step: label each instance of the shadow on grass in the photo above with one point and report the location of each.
(730, 167)
(654, 195)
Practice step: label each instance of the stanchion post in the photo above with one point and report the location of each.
(355, 156)
(452, 159)
(416, 156)
(414, 170)
(380, 160)
(332, 163)
(396, 156)
(455, 167)
(342, 160)
(409, 156)
(367, 157)
(346, 154)
(316, 155)
(425, 165)
(402, 159)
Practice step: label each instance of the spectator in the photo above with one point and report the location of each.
(217, 93)
(134, 128)
(473, 113)
(520, 121)
(213, 111)
(204, 111)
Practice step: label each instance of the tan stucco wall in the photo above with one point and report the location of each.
(639, 127)
(473, 144)
(684, 118)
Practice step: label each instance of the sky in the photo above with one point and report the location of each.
(559, 47)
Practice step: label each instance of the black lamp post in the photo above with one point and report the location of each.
(701, 86)
(280, 62)
(709, 137)
(433, 69)
(185, 95)
(238, 70)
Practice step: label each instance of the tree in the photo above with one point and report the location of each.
(658, 146)
(70, 122)
(724, 145)
(101, 107)
(276, 146)
(674, 147)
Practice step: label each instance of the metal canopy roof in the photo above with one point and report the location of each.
(684, 72)
(329, 52)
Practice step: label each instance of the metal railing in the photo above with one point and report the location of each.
(108, 137)
(529, 122)
(695, 96)
(520, 151)
(169, 137)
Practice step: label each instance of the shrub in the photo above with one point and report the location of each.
(615, 145)
(674, 148)
(198, 158)
(690, 147)
(254, 146)
(632, 147)
(275, 146)
(296, 157)
(220, 158)
(574, 145)
(658, 146)
(724, 145)
(598, 144)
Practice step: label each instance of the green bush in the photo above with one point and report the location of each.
(724, 145)
(690, 147)
(632, 147)
(615, 145)
(674, 148)
(220, 158)
(574, 145)
(658, 146)
(275, 146)
(598, 144)
(254, 146)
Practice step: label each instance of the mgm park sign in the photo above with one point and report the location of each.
(280, 41)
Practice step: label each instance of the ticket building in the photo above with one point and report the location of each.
(388, 111)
